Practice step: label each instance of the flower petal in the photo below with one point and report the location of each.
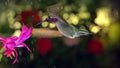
(7, 52)
(24, 45)
(14, 38)
(25, 34)
(24, 28)
(16, 59)
(1, 38)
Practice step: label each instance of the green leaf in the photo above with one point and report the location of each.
(1, 56)
(1, 50)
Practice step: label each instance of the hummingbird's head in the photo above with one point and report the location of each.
(48, 19)
(51, 19)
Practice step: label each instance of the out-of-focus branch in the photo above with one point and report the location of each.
(43, 32)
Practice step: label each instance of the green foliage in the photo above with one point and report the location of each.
(1, 56)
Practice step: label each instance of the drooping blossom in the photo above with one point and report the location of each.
(44, 45)
(10, 43)
(30, 17)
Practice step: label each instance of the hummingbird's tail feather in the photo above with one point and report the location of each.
(82, 33)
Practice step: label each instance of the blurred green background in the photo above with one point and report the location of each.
(100, 50)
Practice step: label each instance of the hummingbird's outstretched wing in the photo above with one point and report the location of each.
(56, 8)
(54, 11)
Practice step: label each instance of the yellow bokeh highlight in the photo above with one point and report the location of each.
(10, 16)
(103, 18)
(65, 16)
(44, 17)
(17, 33)
(73, 19)
(44, 24)
(51, 25)
(11, 20)
(95, 29)
(11, 13)
(83, 13)
(17, 25)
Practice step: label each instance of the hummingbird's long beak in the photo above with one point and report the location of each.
(38, 24)
(48, 19)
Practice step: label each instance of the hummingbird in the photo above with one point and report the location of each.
(63, 27)
(66, 29)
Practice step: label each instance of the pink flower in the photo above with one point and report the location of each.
(10, 43)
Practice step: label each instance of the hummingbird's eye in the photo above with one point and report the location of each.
(49, 19)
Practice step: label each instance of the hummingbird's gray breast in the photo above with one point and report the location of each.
(65, 28)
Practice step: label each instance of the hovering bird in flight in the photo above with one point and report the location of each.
(64, 28)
